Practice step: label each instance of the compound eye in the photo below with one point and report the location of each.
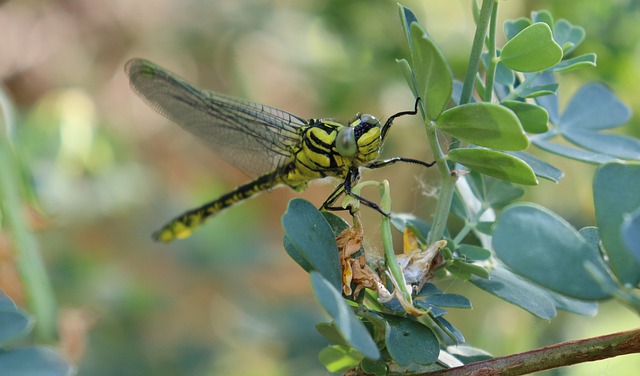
(346, 142)
(369, 119)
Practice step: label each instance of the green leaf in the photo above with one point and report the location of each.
(541, 168)
(501, 192)
(310, 241)
(631, 233)
(587, 60)
(449, 300)
(410, 342)
(432, 73)
(514, 27)
(465, 270)
(504, 75)
(615, 145)
(13, 324)
(484, 124)
(346, 322)
(579, 307)
(331, 333)
(33, 361)
(407, 73)
(6, 303)
(374, 367)
(493, 163)
(468, 354)
(336, 223)
(568, 36)
(533, 118)
(451, 331)
(594, 107)
(548, 102)
(573, 153)
(407, 18)
(296, 254)
(473, 252)
(458, 207)
(485, 227)
(539, 90)
(532, 50)
(615, 196)
(402, 220)
(478, 185)
(543, 16)
(513, 289)
(544, 248)
(339, 359)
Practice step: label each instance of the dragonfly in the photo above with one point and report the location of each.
(272, 146)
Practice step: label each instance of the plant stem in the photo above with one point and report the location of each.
(29, 262)
(448, 180)
(558, 355)
(493, 58)
(476, 50)
(387, 241)
(446, 189)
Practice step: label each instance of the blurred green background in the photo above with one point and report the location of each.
(104, 171)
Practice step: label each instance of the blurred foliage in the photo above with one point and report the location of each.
(104, 171)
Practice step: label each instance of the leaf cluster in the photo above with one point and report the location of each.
(24, 360)
(520, 252)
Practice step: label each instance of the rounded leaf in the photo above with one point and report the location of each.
(13, 324)
(507, 286)
(432, 73)
(513, 27)
(473, 252)
(6, 302)
(594, 107)
(567, 35)
(543, 247)
(533, 118)
(329, 331)
(588, 60)
(484, 124)
(531, 50)
(410, 342)
(310, 238)
(449, 300)
(615, 196)
(615, 145)
(631, 233)
(493, 163)
(339, 359)
(346, 322)
(541, 168)
(33, 361)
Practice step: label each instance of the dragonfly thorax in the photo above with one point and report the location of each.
(329, 148)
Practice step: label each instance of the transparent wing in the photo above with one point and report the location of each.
(251, 136)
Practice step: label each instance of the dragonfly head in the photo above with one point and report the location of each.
(360, 139)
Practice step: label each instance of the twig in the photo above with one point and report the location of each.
(558, 355)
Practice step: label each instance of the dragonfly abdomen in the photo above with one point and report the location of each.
(182, 226)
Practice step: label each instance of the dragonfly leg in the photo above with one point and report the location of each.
(390, 161)
(347, 189)
(328, 203)
(389, 121)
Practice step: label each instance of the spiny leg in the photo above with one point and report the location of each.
(345, 187)
(390, 161)
(389, 121)
(328, 203)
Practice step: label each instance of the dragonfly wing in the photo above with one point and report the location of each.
(251, 136)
